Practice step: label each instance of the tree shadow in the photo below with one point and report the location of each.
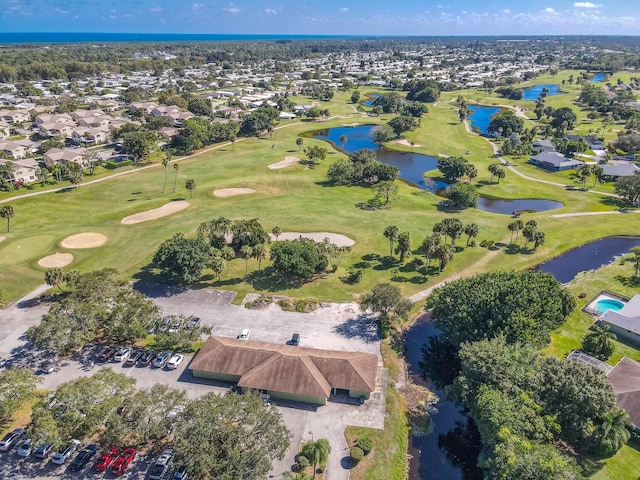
(363, 327)
(632, 281)
(462, 446)
(619, 203)
(269, 280)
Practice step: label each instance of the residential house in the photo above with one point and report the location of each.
(102, 121)
(178, 117)
(554, 161)
(64, 155)
(593, 142)
(169, 132)
(83, 113)
(284, 371)
(5, 130)
(93, 136)
(620, 170)
(15, 116)
(625, 323)
(144, 107)
(57, 130)
(15, 149)
(625, 380)
(545, 145)
(165, 110)
(48, 118)
(23, 170)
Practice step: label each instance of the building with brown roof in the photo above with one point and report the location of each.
(284, 371)
(625, 380)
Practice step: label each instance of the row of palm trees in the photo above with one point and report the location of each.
(529, 231)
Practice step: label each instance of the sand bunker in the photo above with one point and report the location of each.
(230, 192)
(284, 163)
(338, 239)
(84, 240)
(57, 260)
(407, 143)
(2, 238)
(163, 211)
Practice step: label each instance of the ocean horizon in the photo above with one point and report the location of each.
(17, 38)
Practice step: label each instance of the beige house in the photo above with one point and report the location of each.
(48, 119)
(15, 116)
(102, 121)
(83, 113)
(65, 155)
(144, 107)
(57, 130)
(178, 117)
(284, 371)
(94, 136)
(5, 130)
(14, 149)
(23, 170)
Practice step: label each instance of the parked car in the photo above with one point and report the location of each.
(160, 467)
(245, 334)
(122, 462)
(122, 354)
(47, 367)
(63, 455)
(84, 457)
(25, 449)
(107, 354)
(162, 359)
(295, 339)
(11, 439)
(44, 450)
(180, 473)
(134, 357)
(194, 322)
(147, 358)
(106, 459)
(174, 361)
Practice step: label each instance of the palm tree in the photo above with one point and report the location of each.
(471, 230)
(7, 212)
(299, 143)
(615, 429)
(493, 168)
(276, 232)
(528, 233)
(500, 173)
(428, 248)
(176, 169)
(598, 173)
(228, 254)
(190, 185)
(343, 140)
(165, 163)
(391, 232)
(600, 339)
(404, 245)
(317, 452)
(512, 228)
(538, 239)
(42, 174)
(260, 253)
(444, 254)
(635, 251)
(217, 265)
(518, 226)
(246, 252)
(54, 277)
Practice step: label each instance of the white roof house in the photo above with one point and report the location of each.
(626, 321)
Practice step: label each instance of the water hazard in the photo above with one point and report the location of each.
(534, 92)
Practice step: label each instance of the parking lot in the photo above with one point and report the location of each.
(333, 326)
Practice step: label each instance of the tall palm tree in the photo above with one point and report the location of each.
(190, 185)
(518, 226)
(260, 253)
(246, 252)
(428, 248)
(165, 163)
(635, 251)
(7, 212)
(176, 169)
(217, 265)
(391, 232)
(404, 245)
(471, 230)
(512, 228)
(538, 239)
(228, 254)
(317, 452)
(444, 254)
(276, 232)
(54, 277)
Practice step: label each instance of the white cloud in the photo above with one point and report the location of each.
(155, 9)
(548, 10)
(198, 6)
(231, 8)
(270, 11)
(506, 11)
(586, 5)
(344, 9)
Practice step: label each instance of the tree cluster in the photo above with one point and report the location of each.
(362, 167)
(199, 132)
(505, 122)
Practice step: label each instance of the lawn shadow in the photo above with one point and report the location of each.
(363, 327)
(65, 190)
(619, 203)
(632, 281)
(268, 280)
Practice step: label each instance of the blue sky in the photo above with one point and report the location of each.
(324, 17)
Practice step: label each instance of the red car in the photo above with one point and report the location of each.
(123, 461)
(106, 459)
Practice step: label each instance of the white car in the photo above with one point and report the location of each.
(122, 354)
(245, 334)
(162, 359)
(62, 456)
(174, 361)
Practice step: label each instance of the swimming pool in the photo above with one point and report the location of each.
(608, 304)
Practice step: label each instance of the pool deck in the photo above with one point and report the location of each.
(590, 307)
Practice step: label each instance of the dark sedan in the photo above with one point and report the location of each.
(84, 457)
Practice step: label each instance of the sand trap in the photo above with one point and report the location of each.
(407, 143)
(2, 238)
(84, 240)
(284, 163)
(338, 239)
(163, 211)
(230, 192)
(57, 260)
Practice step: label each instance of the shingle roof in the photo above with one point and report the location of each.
(286, 368)
(625, 379)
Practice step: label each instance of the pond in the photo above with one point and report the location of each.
(534, 92)
(588, 257)
(598, 77)
(372, 98)
(448, 451)
(481, 117)
(412, 167)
